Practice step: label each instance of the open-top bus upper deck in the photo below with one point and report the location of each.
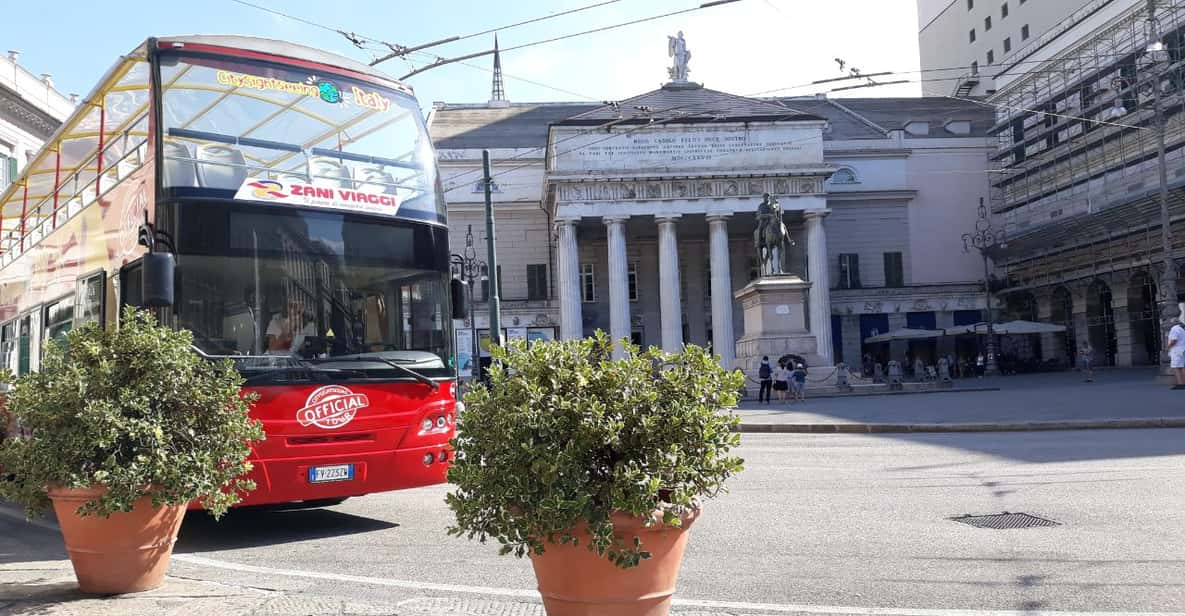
(238, 120)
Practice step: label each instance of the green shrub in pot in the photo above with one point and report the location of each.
(564, 436)
(133, 410)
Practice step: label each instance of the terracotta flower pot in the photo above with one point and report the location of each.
(576, 582)
(127, 552)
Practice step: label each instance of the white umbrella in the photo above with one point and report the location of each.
(905, 334)
(1031, 327)
(1015, 328)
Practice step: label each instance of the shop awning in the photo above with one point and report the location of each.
(905, 333)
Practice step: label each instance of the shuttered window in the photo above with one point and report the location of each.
(537, 281)
(894, 270)
(849, 271)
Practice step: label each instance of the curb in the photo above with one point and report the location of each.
(907, 392)
(1025, 426)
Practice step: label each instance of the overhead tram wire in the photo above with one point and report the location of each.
(982, 68)
(399, 51)
(520, 78)
(360, 40)
(357, 39)
(553, 39)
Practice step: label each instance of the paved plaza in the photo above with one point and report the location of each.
(1119, 394)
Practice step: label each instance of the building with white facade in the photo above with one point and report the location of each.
(964, 44)
(30, 111)
(1077, 177)
(637, 217)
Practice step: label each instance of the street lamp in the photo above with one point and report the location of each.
(983, 239)
(1153, 64)
(470, 268)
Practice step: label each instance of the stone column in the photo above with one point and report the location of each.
(670, 304)
(723, 340)
(818, 274)
(1124, 343)
(571, 321)
(1049, 342)
(619, 289)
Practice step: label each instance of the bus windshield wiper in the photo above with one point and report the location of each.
(266, 372)
(263, 375)
(404, 369)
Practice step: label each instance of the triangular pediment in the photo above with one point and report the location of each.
(690, 101)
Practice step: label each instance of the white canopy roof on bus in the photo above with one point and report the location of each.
(286, 50)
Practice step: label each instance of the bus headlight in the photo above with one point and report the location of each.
(440, 422)
(426, 425)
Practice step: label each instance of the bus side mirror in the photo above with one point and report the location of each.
(157, 278)
(460, 295)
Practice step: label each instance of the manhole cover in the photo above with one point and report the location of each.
(1003, 521)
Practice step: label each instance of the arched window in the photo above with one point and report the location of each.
(845, 175)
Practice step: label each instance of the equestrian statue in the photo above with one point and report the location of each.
(772, 238)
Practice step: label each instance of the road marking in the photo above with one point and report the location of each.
(777, 608)
(354, 579)
(821, 610)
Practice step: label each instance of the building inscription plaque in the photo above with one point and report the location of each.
(689, 148)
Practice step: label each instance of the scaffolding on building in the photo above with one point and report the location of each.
(1076, 174)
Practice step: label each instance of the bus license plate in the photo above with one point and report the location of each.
(326, 474)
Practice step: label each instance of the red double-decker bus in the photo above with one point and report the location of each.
(280, 202)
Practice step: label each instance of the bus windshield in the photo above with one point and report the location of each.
(258, 128)
(276, 288)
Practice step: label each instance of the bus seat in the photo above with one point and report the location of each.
(329, 172)
(179, 168)
(88, 194)
(220, 166)
(109, 178)
(285, 176)
(375, 179)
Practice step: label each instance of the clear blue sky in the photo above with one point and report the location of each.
(744, 48)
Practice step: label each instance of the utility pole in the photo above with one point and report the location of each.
(1168, 282)
(983, 239)
(470, 268)
(492, 257)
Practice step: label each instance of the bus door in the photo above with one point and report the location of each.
(28, 343)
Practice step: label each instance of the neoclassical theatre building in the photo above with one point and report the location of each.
(637, 217)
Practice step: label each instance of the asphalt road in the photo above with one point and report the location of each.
(815, 520)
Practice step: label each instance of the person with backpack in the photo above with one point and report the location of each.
(765, 374)
(798, 383)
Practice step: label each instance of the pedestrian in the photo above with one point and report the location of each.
(798, 382)
(980, 366)
(1085, 360)
(765, 373)
(1177, 353)
(781, 377)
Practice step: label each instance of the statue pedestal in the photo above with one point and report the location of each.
(775, 325)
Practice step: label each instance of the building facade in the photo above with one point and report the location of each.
(964, 44)
(30, 111)
(637, 217)
(1078, 179)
